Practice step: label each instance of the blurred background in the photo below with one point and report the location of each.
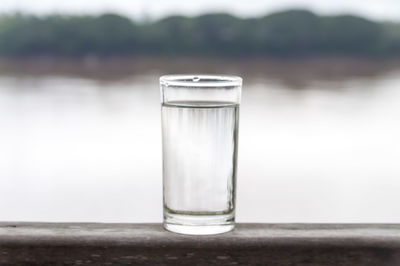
(80, 127)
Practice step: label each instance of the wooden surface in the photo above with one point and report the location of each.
(248, 244)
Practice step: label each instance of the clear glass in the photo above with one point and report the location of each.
(200, 116)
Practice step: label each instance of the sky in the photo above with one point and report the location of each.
(154, 9)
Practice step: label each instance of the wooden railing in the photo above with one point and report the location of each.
(248, 244)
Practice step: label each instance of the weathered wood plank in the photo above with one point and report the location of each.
(248, 244)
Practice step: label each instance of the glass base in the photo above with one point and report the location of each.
(199, 224)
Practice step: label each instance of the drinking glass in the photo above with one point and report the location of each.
(200, 116)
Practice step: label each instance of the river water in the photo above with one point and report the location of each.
(319, 148)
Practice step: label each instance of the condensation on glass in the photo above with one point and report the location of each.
(200, 116)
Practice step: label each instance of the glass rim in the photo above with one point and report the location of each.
(201, 80)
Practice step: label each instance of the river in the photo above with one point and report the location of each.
(319, 145)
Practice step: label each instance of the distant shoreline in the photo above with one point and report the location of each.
(118, 67)
(283, 34)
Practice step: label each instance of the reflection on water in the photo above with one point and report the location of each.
(313, 147)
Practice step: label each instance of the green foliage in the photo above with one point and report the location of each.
(351, 35)
(391, 39)
(68, 36)
(289, 33)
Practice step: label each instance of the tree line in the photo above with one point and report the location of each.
(288, 33)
